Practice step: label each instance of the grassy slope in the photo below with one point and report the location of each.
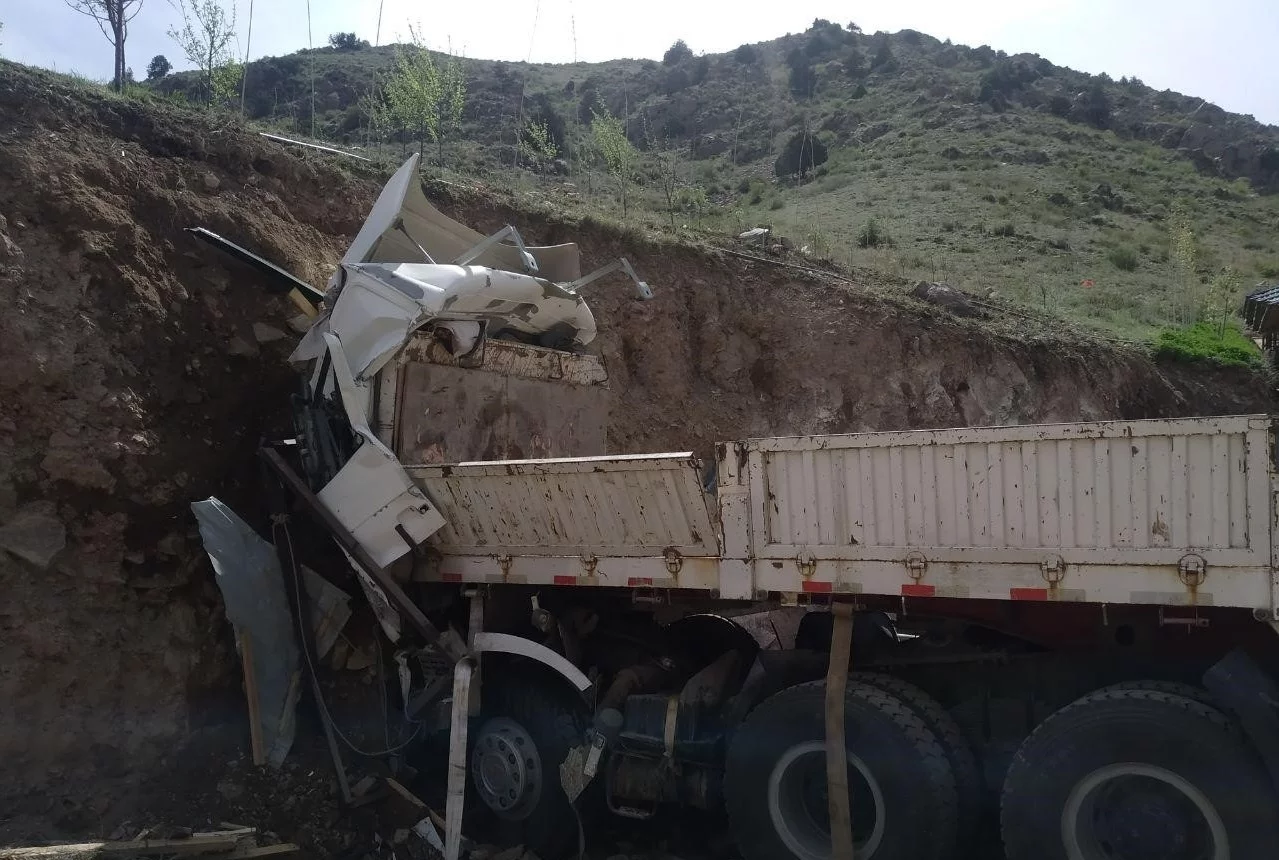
(1016, 200)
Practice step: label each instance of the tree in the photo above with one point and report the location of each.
(112, 18)
(536, 143)
(803, 77)
(884, 60)
(854, 64)
(747, 55)
(423, 97)
(677, 53)
(347, 42)
(1095, 107)
(615, 151)
(1185, 255)
(158, 67)
(205, 39)
(451, 100)
(801, 154)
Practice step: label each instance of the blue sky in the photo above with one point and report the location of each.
(1222, 51)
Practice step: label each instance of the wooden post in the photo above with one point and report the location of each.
(251, 695)
(841, 819)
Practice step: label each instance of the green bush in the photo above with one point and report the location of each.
(1006, 229)
(776, 203)
(1268, 270)
(1203, 342)
(1123, 258)
(872, 235)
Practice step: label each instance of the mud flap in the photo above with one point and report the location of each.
(1243, 688)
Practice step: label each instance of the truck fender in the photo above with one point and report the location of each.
(1252, 696)
(509, 644)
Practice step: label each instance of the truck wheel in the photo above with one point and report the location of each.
(524, 733)
(1173, 688)
(901, 790)
(963, 764)
(1137, 774)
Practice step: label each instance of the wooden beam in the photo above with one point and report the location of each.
(197, 843)
(841, 819)
(263, 851)
(251, 695)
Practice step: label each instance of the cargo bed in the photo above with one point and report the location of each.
(1168, 512)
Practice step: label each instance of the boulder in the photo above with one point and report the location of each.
(946, 296)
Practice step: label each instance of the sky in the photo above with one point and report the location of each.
(1222, 51)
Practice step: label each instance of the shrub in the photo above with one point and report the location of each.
(801, 154)
(1204, 342)
(1268, 270)
(776, 203)
(1006, 229)
(1123, 258)
(872, 235)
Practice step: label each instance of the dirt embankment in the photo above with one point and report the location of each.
(139, 373)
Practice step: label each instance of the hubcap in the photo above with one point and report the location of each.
(1141, 812)
(506, 769)
(799, 807)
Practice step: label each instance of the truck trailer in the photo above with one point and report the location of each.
(876, 645)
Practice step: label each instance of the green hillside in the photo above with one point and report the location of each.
(1103, 201)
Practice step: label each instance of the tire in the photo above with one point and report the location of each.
(900, 781)
(963, 764)
(1201, 792)
(1172, 688)
(515, 712)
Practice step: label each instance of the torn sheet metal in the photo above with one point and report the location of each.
(248, 574)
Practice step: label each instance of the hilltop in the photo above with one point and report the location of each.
(998, 174)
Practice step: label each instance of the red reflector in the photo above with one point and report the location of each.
(639, 580)
(566, 580)
(917, 590)
(811, 587)
(451, 577)
(1028, 593)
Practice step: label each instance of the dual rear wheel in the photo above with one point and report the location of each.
(1140, 771)
(1146, 771)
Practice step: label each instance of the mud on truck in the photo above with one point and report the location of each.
(878, 645)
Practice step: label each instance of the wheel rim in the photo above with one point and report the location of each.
(506, 769)
(1141, 812)
(798, 803)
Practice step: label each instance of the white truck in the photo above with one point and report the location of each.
(873, 645)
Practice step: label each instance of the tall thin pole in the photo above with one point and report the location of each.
(244, 76)
(311, 45)
(377, 40)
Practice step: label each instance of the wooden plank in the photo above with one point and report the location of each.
(403, 792)
(841, 819)
(197, 843)
(262, 851)
(251, 695)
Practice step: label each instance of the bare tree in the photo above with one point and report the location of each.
(112, 18)
(205, 39)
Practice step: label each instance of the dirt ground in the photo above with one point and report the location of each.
(140, 372)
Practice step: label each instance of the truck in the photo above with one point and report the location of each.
(1057, 640)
